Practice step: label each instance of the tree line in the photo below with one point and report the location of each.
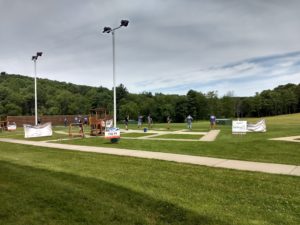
(61, 98)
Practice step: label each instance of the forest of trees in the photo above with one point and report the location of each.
(61, 98)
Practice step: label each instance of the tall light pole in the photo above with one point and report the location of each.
(34, 58)
(124, 23)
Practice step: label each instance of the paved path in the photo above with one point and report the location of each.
(210, 136)
(161, 132)
(155, 135)
(197, 160)
(291, 138)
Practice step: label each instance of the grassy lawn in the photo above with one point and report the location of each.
(135, 134)
(239, 147)
(196, 130)
(251, 147)
(19, 134)
(12, 134)
(49, 186)
(180, 136)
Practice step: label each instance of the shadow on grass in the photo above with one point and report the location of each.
(36, 196)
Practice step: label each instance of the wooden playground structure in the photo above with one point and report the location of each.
(3, 125)
(98, 121)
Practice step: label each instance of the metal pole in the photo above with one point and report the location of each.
(114, 80)
(35, 93)
(108, 30)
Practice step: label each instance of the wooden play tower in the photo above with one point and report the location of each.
(97, 121)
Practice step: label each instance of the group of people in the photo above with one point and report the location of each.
(77, 120)
(212, 120)
(189, 120)
(140, 121)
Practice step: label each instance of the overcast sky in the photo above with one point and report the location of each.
(170, 46)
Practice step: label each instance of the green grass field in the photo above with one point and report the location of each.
(49, 186)
(136, 135)
(180, 136)
(57, 187)
(251, 147)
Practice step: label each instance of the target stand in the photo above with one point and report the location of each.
(76, 130)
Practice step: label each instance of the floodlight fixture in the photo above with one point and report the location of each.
(106, 30)
(35, 57)
(124, 23)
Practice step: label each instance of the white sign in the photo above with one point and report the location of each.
(112, 133)
(239, 126)
(11, 127)
(37, 131)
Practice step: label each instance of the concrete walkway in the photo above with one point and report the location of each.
(197, 160)
(210, 136)
(155, 135)
(291, 138)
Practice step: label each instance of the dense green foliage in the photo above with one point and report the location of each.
(17, 98)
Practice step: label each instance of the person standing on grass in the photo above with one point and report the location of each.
(150, 121)
(212, 120)
(85, 119)
(189, 120)
(140, 120)
(126, 120)
(168, 122)
(65, 121)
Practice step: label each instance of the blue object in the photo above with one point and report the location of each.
(112, 129)
(114, 140)
(145, 129)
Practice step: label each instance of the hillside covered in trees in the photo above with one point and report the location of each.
(61, 98)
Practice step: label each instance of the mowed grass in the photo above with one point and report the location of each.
(19, 134)
(136, 135)
(251, 147)
(57, 187)
(179, 136)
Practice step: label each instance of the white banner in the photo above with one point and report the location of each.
(260, 126)
(37, 131)
(239, 127)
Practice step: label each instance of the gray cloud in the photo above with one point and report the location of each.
(163, 39)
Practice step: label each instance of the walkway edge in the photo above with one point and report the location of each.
(272, 168)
